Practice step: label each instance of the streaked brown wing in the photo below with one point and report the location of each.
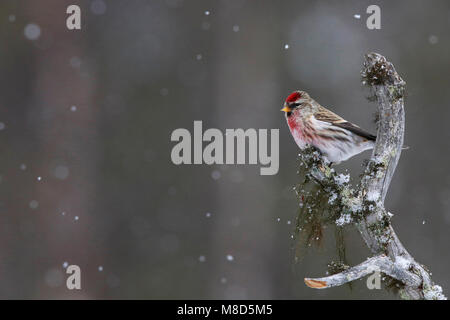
(356, 130)
(330, 117)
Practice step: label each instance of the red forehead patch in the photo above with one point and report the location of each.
(294, 96)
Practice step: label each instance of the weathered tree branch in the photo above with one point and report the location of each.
(365, 206)
(379, 263)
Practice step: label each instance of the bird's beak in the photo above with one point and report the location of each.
(286, 109)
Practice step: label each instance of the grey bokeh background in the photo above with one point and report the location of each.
(91, 113)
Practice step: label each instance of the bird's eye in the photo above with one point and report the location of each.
(295, 104)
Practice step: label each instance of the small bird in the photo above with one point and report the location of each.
(312, 124)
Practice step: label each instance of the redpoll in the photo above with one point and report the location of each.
(312, 124)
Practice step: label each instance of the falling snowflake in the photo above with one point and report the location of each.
(216, 175)
(32, 31)
(164, 92)
(34, 204)
(433, 39)
(98, 7)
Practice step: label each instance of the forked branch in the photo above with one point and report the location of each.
(364, 207)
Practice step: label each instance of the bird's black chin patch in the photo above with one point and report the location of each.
(288, 114)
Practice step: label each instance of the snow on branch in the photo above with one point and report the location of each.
(364, 206)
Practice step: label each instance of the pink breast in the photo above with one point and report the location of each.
(297, 131)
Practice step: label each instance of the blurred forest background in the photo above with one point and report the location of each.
(85, 122)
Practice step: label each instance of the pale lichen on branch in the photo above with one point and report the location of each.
(364, 206)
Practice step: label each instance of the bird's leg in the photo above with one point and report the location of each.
(322, 166)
